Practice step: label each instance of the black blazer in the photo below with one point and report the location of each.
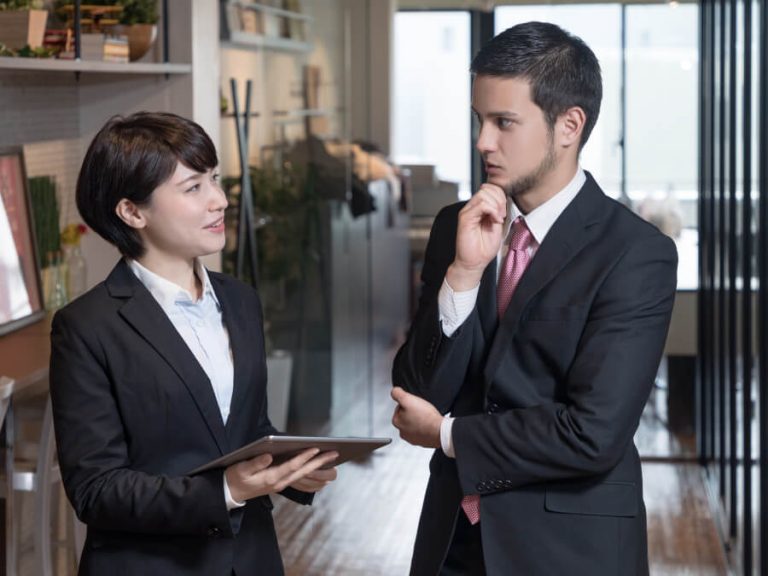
(134, 412)
(547, 400)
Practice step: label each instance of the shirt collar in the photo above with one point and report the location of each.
(540, 220)
(168, 293)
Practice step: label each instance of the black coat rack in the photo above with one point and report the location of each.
(246, 229)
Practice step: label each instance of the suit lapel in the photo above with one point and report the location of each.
(486, 301)
(567, 237)
(235, 318)
(146, 316)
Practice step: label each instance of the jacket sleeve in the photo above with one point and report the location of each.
(93, 452)
(430, 364)
(588, 430)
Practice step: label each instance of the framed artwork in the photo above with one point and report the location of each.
(21, 300)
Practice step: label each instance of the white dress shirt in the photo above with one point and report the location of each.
(200, 325)
(455, 307)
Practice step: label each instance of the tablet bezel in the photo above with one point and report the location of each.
(283, 448)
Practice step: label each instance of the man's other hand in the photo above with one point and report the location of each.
(418, 420)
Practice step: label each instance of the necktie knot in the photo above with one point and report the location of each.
(521, 236)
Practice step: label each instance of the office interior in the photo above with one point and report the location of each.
(345, 125)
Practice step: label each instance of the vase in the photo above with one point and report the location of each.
(140, 38)
(56, 289)
(19, 28)
(76, 271)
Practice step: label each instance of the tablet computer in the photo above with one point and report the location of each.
(284, 448)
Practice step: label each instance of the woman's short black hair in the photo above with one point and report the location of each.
(561, 68)
(129, 158)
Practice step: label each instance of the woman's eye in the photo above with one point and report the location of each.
(194, 188)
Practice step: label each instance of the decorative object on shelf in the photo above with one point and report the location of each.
(138, 22)
(75, 266)
(27, 52)
(22, 24)
(96, 16)
(45, 213)
(21, 300)
(135, 20)
(270, 25)
(141, 37)
(56, 288)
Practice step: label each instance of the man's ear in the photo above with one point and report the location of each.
(129, 213)
(570, 125)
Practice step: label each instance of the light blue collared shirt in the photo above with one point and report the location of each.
(201, 326)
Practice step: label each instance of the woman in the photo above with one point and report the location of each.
(161, 368)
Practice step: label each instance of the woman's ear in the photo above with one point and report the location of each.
(570, 125)
(129, 213)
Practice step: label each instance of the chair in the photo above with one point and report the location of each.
(40, 476)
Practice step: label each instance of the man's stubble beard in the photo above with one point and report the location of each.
(532, 179)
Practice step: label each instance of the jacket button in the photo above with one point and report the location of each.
(213, 531)
(493, 408)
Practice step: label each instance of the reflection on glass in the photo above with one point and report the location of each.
(14, 297)
(19, 291)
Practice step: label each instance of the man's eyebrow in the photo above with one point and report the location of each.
(500, 114)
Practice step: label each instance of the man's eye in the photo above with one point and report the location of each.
(504, 122)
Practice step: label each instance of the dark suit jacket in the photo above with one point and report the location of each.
(134, 412)
(548, 399)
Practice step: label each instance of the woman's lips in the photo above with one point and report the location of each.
(217, 226)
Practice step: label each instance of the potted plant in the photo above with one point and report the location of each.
(22, 23)
(139, 21)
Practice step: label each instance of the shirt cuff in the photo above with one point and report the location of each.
(231, 502)
(446, 436)
(455, 307)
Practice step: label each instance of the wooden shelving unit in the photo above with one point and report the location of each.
(251, 41)
(234, 37)
(96, 66)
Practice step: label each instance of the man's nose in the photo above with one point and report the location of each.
(486, 139)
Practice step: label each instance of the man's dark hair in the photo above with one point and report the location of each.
(561, 68)
(129, 158)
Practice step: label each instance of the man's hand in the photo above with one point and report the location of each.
(256, 477)
(418, 421)
(478, 237)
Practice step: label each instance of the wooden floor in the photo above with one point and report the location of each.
(365, 522)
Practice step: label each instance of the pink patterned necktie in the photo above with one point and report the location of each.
(515, 264)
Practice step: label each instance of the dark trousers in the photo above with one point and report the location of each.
(465, 554)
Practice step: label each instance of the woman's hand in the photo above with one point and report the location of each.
(256, 477)
(315, 481)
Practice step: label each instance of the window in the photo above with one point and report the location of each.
(432, 93)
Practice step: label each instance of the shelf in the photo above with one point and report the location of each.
(54, 65)
(272, 10)
(250, 41)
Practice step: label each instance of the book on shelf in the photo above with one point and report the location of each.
(100, 47)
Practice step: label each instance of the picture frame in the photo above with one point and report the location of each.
(21, 297)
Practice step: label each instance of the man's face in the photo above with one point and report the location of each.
(515, 141)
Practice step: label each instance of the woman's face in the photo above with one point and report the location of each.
(184, 218)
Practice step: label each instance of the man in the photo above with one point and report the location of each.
(541, 324)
